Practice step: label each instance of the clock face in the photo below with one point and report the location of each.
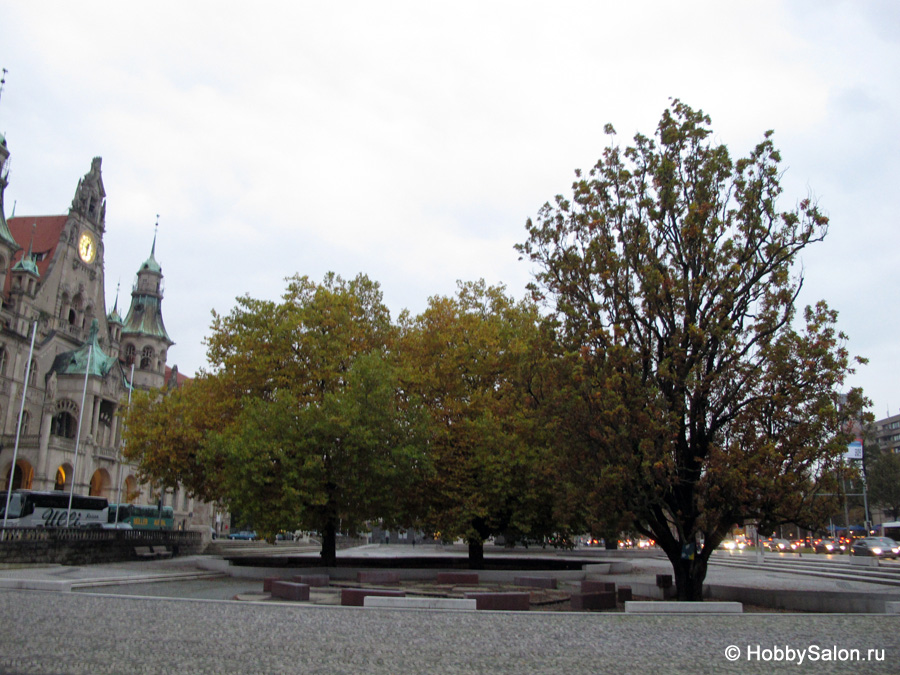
(87, 249)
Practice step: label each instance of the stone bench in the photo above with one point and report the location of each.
(623, 594)
(514, 602)
(676, 607)
(590, 586)
(394, 602)
(290, 590)
(535, 582)
(458, 578)
(267, 583)
(356, 597)
(596, 600)
(152, 552)
(312, 579)
(381, 577)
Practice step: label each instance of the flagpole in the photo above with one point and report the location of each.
(119, 454)
(12, 469)
(87, 370)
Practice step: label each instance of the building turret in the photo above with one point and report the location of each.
(145, 342)
(8, 245)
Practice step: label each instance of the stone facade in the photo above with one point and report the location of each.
(83, 360)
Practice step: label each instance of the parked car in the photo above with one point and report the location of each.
(881, 547)
(829, 546)
(243, 534)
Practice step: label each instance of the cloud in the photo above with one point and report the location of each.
(411, 141)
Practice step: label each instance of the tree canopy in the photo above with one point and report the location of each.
(473, 360)
(883, 477)
(696, 400)
(316, 432)
(675, 388)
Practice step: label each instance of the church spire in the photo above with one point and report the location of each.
(145, 315)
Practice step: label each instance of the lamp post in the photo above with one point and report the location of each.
(87, 370)
(12, 469)
(119, 453)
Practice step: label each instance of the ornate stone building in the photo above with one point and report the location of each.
(53, 293)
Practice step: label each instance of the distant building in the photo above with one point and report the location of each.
(886, 433)
(52, 287)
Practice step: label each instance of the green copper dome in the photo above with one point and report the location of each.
(27, 264)
(76, 362)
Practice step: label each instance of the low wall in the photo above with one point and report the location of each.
(842, 602)
(73, 546)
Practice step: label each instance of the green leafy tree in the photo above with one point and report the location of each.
(884, 483)
(699, 405)
(165, 432)
(474, 360)
(302, 421)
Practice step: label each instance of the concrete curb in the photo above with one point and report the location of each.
(63, 586)
(419, 603)
(67, 585)
(676, 607)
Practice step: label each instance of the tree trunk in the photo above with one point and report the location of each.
(476, 554)
(689, 576)
(329, 516)
(329, 545)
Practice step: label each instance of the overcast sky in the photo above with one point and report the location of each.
(411, 141)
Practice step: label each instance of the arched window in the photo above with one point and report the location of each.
(147, 358)
(3, 360)
(77, 306)
(62, 476)
(132, 490)
(129, 354)
(64, 425)
(21, 478)
(32, 374)
(26, 418)
(100, 483)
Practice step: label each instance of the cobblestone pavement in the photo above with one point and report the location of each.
(53, 632)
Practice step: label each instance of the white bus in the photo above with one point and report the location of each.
(28, 508)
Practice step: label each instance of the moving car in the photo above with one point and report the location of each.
(829, 546)
(880, 547)
(780, 545)
(243, 534)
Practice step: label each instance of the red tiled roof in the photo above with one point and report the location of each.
(46, 237)
(181, 379)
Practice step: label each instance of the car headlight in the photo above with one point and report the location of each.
(876, 550)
